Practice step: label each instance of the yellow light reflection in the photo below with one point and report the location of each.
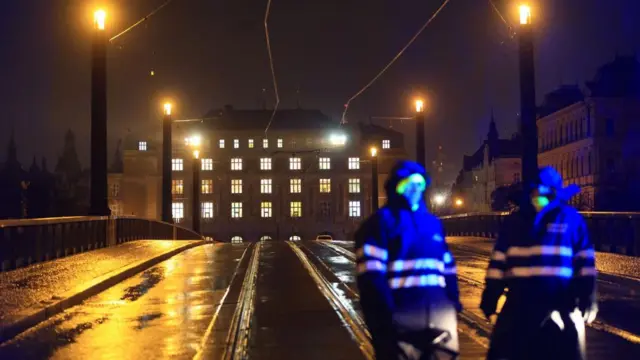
(167, 108)
(374, 151)
(99, 17)
(196, 154)
(525, 14)
(419, 106)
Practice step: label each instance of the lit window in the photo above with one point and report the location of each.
(207, 164)
(295, 163)
(324, 163)
(221, 143)
(296, 209)
(265, 186)
(250, 143)
(265, 163)
(236, 164)
(354, 186)
(207, 210)
(295, 186)
(266, 209)
(142, 145)
(265, 143)
(354, 208)
(207, 186)
(115, 190)
(280, 143)
(236, 210)
(236, 143)
(177, 187)
(325, 185)
(386, 144)
(354, 163)
(177, 165)
(236, 186)
(236, 240)
(177, 211)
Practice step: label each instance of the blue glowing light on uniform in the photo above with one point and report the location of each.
(415, 178)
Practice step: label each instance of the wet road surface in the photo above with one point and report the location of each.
(472, 262)
(163, 312)
(292, 319)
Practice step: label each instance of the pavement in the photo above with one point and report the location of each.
(278, 300)
(33, 293)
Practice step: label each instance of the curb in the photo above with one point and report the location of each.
(74, 297)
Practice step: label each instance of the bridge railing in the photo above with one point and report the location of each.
(617, 232)
(27, 241)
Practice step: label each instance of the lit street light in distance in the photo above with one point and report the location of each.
(374, 151)
(419, 105)
(525, 14)
(167, 108)
(459, 202)
(99, 18)
(439, 199)
(338, 139)
(194, 142)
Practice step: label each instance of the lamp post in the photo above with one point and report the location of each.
(420, 141)
(374, 180)
(167, 216)
(194, 142)
(98, 200)
(528, 127)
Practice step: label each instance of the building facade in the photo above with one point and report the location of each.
(307, 176)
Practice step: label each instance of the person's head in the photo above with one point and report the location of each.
(549, 188)
(406, 183)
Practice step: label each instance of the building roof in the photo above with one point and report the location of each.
(556, 100)
(285, 119)
(618, 78)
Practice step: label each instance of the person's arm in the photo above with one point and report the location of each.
(495, 278)
(450, 273)
(584, 272)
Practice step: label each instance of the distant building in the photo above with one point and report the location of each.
(593, 140)
(495, 164)
(297, 182)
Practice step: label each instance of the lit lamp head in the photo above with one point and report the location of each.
(374, 151)
(196, 154)
(419, 106)
(525, 14)
(194, 142)
(459, 202)
(338, 139)
(99, 18)
(439, 199)
(167, 108)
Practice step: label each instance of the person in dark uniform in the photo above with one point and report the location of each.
(405, 272)
(544, 258)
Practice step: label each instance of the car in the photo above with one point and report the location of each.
(324, 238)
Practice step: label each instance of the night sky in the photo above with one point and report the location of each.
(208, 53)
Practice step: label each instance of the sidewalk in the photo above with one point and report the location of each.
(31, 294)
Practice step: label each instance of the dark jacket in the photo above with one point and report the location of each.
(546, 262)
(406, 274)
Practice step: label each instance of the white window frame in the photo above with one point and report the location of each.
(177, 211)
(295, 211)
(236, 210)
(207, 210)
(142, 146)
(325, 186)
(386, 144)
(295, 163)
(206, 186)
(175, 185)
(265, 164)
(177, 164)
(280, 143)
(236, 143)
(207, 165)
(251, 144)
(295, 186)
(354, 163)
(236, 164)
(324, 163)
(265, 143)
(354, 186)
(355, 208)
(221, 143)
(266, 186)
(236, 186)
(266, 209)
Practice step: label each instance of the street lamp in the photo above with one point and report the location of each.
(420, 140)
(374, 179)
(167, 215)
(528, 127)
(99, 205)
(194, 142)
(439, 199)
(459, 202)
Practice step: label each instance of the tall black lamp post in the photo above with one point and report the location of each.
(374, 180)
(167, 215)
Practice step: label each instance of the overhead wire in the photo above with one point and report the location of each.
(140, 21)
(273, 71)
(512, 32)
(395, 58)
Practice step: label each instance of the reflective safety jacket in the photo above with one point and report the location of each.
(406, 274)
(547, 263)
